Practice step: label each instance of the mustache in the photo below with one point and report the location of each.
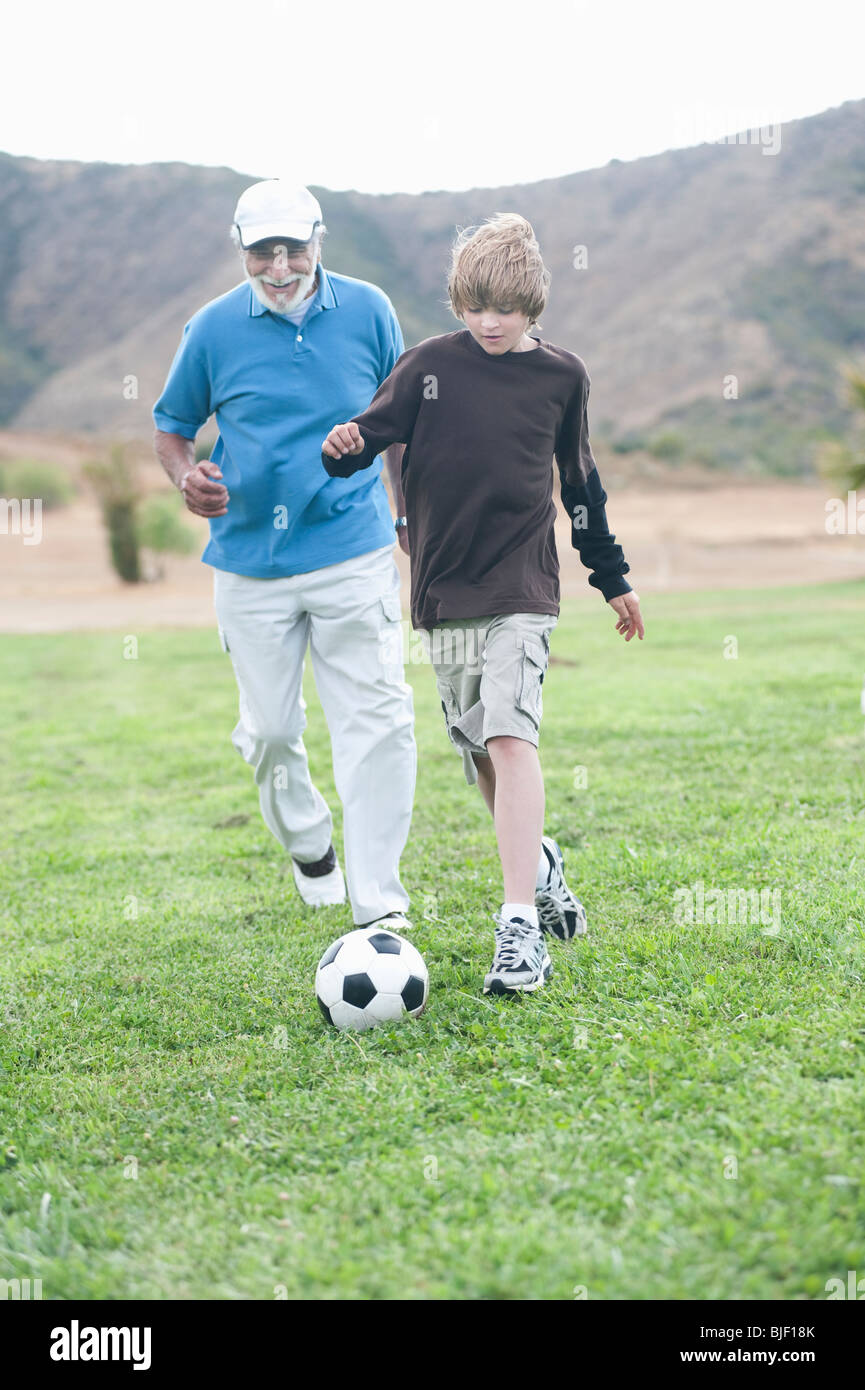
(280, 284)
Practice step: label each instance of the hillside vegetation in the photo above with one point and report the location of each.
(704, 265)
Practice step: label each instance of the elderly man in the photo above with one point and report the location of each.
(300, 559)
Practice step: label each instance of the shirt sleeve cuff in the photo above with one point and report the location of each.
(344, 467)
(613, 587)
(169, 425)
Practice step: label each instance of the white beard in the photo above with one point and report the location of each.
(285, 304)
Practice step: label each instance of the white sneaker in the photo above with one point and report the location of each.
(560, 912)
(522, 963)
(326, 891)
(391, 921)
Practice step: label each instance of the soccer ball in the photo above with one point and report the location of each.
(371, 976)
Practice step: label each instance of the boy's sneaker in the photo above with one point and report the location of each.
(560, 913)
(320, 884)
(521, 963)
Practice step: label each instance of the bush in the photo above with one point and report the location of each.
(841, 462)
(161, 528)
(123, 539)
(37, 478)
(133, 521)
(629, 443)
(115, 481)
(669, 446)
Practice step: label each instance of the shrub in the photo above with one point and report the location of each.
(161, 528)
(37, 478)
(629, 443)
(115, 481)
(839, 462)
(670, 446)
(123, 539)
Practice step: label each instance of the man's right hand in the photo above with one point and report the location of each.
(343, 439)
(201, 495)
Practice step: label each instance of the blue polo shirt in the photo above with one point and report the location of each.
(276, 389)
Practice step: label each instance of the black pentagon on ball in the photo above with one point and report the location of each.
(358, 990)
(412, 993)
(385, 943)
(331, 953)
(325, 1010)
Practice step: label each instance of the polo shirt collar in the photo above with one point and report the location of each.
(325, 297)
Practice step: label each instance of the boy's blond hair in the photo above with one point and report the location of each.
(498, 265)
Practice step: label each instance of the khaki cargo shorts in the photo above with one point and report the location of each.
(489, 673)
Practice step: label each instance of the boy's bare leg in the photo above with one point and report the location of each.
(566, 907)
(486, 781)
(512, 785)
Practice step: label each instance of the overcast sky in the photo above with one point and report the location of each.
(396, 95)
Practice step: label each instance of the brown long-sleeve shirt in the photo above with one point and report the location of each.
(481, 432)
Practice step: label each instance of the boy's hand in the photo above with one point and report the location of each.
(343, 439)
(630, 618)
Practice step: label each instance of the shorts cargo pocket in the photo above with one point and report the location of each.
(533, 667)
(450, 701)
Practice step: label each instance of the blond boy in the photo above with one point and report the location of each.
(483, 411)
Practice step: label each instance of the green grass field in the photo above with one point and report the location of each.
(677, 1115)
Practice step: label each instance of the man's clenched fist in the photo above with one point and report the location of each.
(201, 495)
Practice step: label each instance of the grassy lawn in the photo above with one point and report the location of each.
(677, 1115)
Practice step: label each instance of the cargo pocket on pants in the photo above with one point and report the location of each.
(533, 666)
(391, 607)
(390, 647)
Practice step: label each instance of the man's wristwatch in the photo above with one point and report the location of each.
(399, 523)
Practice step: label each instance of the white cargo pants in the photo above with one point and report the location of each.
(349, 615)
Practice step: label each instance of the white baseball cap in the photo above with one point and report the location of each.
(273, 208)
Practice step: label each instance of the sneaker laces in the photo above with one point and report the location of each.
(512, 941)
(557, 892)
(550, 908)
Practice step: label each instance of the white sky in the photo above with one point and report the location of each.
(397, 95)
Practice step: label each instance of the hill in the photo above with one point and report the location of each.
(703, 264)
